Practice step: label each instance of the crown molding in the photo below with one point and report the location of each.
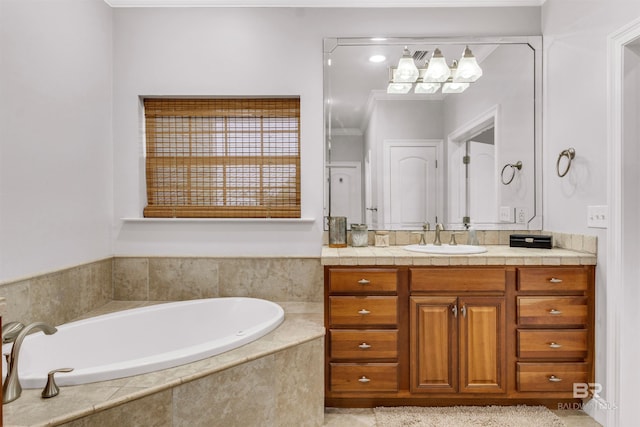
(324, 3)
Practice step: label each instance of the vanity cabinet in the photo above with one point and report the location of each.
(362, 330)
(554, 328)
(457, 330)
(455, 335)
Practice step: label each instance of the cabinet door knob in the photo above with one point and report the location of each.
(364, 281)
(555, 345)
(555, 280)
(554, 312)
(454, 310)
(554, 379)
(364, 311)
(364, 346)
(364, 379)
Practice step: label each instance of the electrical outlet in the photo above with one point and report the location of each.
(507, 214)
(597, 216)
(521, 216)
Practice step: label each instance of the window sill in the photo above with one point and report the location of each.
(221, 220)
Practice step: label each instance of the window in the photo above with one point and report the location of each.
(223, 158)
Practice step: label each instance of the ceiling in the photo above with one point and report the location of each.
(323, 3)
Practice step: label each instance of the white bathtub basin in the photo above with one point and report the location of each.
(142, 340)
(447, 249)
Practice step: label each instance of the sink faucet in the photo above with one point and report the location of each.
(439, 227)
(12, 389)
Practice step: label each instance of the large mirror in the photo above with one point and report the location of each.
(398, 156)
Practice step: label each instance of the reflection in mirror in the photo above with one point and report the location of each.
(398, 160)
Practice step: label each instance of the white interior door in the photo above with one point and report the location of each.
(411, 183)
(346, 191)
(482, 183)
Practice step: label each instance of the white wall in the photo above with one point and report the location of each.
(575, 115)
(250, 51)
(55, 134)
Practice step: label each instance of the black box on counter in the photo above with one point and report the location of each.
(530, 241)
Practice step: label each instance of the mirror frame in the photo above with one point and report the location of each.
(534, 222)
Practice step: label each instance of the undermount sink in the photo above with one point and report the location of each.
(447, 249)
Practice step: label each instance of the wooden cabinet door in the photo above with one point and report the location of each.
(434, 346)
(482, 344)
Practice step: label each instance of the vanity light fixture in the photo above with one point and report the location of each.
(407, 72)
(468, 70)
(436, 74)
(437, 68)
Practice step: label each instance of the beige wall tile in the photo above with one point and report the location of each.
(131, 279)
(178, 279)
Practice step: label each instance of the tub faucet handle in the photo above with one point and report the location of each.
(52, 389)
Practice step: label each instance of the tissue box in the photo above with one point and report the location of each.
(530, 241)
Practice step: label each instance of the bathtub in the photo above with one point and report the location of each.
(143, 340)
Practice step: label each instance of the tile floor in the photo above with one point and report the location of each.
(357, 417)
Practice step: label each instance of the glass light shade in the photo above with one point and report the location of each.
(454, 87)
(407, 72)
(427, 87)
(468, 68)
(399, 88)
(437, 69)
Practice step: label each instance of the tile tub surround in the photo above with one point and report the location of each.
(244, 386)
(59, 296)
(175, 279)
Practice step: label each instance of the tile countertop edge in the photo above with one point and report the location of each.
(495, 255)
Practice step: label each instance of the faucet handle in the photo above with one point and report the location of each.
(52, 389)
(10, 331)
(453, 242)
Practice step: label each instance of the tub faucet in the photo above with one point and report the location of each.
(10, 331)
(439, 227)
(11, 388)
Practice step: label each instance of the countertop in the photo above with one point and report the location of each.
(495, 255)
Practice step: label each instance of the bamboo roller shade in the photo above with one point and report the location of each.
(222, 158)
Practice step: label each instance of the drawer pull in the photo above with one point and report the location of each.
(554, 312)
(555, 345)
(364, 379)
(554, 379)
(555, 280)
(364, 346)
(363, 282)
(364, 311)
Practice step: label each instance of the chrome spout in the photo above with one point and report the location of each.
(11, 389)
(439, 227)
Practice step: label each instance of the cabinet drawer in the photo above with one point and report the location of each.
(552, 279)
(457, 279)
(363, 280)
(363, 311)
(550, 343)
(364, 377)
(355, 344)
(551, 376)
(552, 311)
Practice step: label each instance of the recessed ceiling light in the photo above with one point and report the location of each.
(377, 58)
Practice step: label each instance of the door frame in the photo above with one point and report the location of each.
(615, 304)
(386, 172)
(455, 154)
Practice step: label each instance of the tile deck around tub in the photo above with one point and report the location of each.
(303, 323)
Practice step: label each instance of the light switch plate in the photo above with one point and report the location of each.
(507, 214)
(598, 216)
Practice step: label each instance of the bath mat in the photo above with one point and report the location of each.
(468, 416)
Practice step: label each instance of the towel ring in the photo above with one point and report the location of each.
(569, 153)
(517, 165)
